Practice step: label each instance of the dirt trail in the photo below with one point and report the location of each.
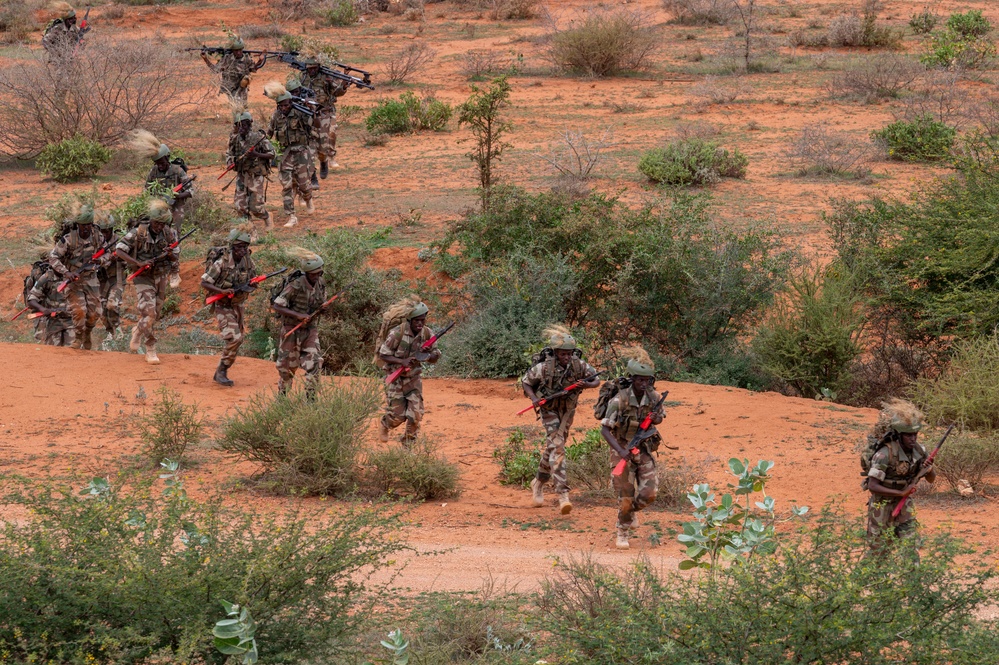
(64, 410)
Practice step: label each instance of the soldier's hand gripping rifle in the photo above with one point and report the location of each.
(184, 184)
(290, 58)
(84, 29)
(562, 393)
(89, 265)
(243, 288)
(239, 160)
(52, 312)
(645, 431)
(172, 246)
(422, 355)
(929, 460)
(307, 320)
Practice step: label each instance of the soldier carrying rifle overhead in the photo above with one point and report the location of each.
(234, 68)
(294, 127)
(327, 90)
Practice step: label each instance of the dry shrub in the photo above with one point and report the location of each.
(700, 12)
(685, 131)
(862, 29)
(801, 37)
(676, 478)
(504, 10)
(17, 21)
(105, 91)
(416, 472)
(846, 30)
(407, 62)
(938, 97)
(170, 427)
(113, 12)
(968, 457)
(984, 115)
(480, 65)
(574, 156)
(883, 76)
(713, 90)
(266, 31)
(966, 392)
(604, 44)
(819, 151)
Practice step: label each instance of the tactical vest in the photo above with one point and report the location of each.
(232, 276)
(292, 130)
(630, 419)
(251, 165)
(552, 379)
(900, 473)
(78, 250)
(304, 298)
(324, 88)
(145, 248)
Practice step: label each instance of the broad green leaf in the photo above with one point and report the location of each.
(738, 468)
(687, 565)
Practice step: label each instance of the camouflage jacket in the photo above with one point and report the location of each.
(251, 165)
(170, 178)
(232, 70)
(625, 413)
(327, 90)
(547, 378)
(300, 296)
(402, 343)
(71, 252)
(60, 38)
(225, 273)
(142, 245)
(293, 130)
(895, 467)
(46, 294)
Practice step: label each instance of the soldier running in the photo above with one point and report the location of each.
(110, 277)
(250, 154)
(303, 295)
(294, 130)
(56, 324)
(233, 268)
(71, 260)
(166, 173)
(234, 69)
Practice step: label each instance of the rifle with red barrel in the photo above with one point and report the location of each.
(172, 246)
(645, 430)
(562, 393)
(243, 288)
(89, 265)
(308, 320)
(422, 355)
(929, 460)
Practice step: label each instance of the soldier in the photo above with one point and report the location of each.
(294, 130)
(62, 34)
(252, 154)
(306, 98)
(327, 90)
(558, 365)
(637, 486)
(71, 260)
(234, 69)
(109, 276)
(302, 295)
(148, 245)
(164, 172)
(402, 342)
(44, 298)
(232, 269)
(897, 463)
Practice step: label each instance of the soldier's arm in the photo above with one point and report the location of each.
(212, 274)
(530, 380)
(389, 347)
(587, 371)
(265, 150)
(56, 257)
(282, 302)
(657, 416)
(174, 255)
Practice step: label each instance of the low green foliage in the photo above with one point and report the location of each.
(920, 140)
(72, 159)
(969, 24)
(966, 392)
(337, 13)
(417, 472)
(207, 211)
(127, 573)
(234, 636)
(409, 113)
(962, 43)
(692, 161)
(587, 463)
(170, 427)
(518, 459)
(923, 22)
(302, 445)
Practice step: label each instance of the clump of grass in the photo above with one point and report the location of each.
(415, 472)
(692, 162)
(518, 458)
(170, 427)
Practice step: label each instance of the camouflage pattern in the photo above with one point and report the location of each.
(111, 279)
(327, 91)
(250, 198)
(547, 378)
(170, 178)
(300, 349)
(404, 396)
(324, 145)
(60, 40)
(71, 254)
(150, 294)
(251, 192)
(226, 273)
(295, 174)
(231, 71)
(638, 485)
(895, 468)
(57, 330)
(151, 286)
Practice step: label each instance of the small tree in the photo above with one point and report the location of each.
(481, 112)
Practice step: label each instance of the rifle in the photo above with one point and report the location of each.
(296, 103)
(929, 460)
(239, 160)
(84, 29)
(562, 393)
(162, 256)
(318, 311)
(184, 184)
(219, 50)
(14, 318)
(53, 313)
(645, 430)
(243, 288)
(89, 265)
(291, 59)
(420, 355)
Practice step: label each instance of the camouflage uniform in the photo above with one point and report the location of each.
(225, 273)
(404, 396)
(637, 486)
(56, 330)
(327, 91)
(170, 178)
(251, 174)
(232, 71)
(895, 468)
(301, 349)
(60, 40)
(83, 297)
(294, 131)
(547, 378)
(111, 278)
(151, 285)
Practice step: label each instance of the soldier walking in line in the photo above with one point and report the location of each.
(558, 365)
(234, 69)
(327, 91)
(165, 172)
(293, 129)
(56, 324)
(71, 260)
(110, 277)
(233, 268)
(301, 295)
(250, 154)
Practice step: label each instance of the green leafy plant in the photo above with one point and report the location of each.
(483, 113)
(409, 113)
(235, 636)
(397, 646)
(337, 13)
(725, 529)
(417, 472)
(962, 43)
(969, 24)
(920, 140)
(966, 392)
(923, 22)
(692, 161)
(518, 459)
(72, 159)
(170, 427)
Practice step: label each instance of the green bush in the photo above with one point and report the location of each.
(969, 457)
(518, 459)
(820, 600)
(921, 140)
(302, 445)
(966, 392)
(692, 162)
(417, 472)
(170, 427)
(72, 159)
(207, 211)
(604, 44)
(949, 49)
(969, 24)
(391, 116)
(131, 573)
(588, 462)
(923, 22)
(409, 113)
(338, 13)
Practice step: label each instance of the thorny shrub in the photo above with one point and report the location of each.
(407, 62)
(872, 79)
(416, 472)
(700, 12)
(604, 44)
(817, 151)
(970, 457)
(170, 427)
(966, 392)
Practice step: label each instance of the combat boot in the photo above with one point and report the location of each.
(136, 342)
(412, 430)
(315, 181)
(333, 164)
(269, 221)
(310, 206)
(292, 221)
(324, 170)
(564, 505)
(383, 432)
(537, 493)
(622, 539)
(151, 356)
(221, 376)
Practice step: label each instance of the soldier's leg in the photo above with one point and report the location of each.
(145, 303)
(255, 197)
(288, 354)
(311, 360)
(76, 304)
(395, 406)
(114, 299)
(178, 215)
(230, 329)
(878, 523)
(552, 424)
(646, 482)
(301, 174)
(287, 178)
(92, 295)
(325, 148)
(414, 408)
(333, 128)
(40, 330)
(239, 198)
(624, 486)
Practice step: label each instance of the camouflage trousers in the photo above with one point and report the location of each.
(300, 350)
(251, 195)
(57, 331)
(150, 293)
(177, 211)
(880, 522)
(325, 147)
(404, 403)
(236, 93)
(111, 292)
(552, 465)
(83, 301)
(230, 323)
(636, 487)
(295, 175)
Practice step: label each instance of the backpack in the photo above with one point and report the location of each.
(38, 268)
(608, 390)
(214, 254)
(279, 287)
(179, 161)
(389, 321)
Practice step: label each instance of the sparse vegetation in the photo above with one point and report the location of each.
(966, 392)
(416, 472)
(961, 44)
(72, 159)
(700, 12)
(692, 162)
(518, 459)
(817, 151)
(170, 427)
(408, 61)
(604, 44)
(872, 79)
(484, 113)
(409, 113)
(924, 22)
(970, 458)
(862, 29)
(920, 140)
